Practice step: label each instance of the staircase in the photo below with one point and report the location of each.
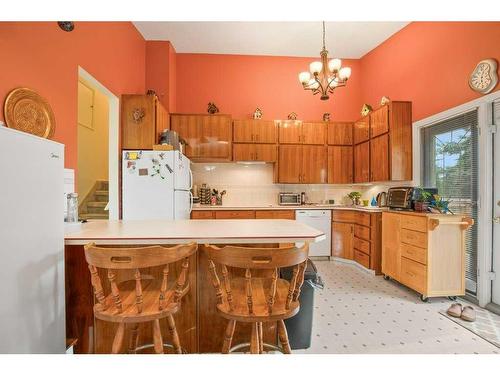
(92, 206)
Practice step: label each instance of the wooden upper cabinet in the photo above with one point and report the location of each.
(340, 133)
(362, 130)
(342, 240)
(314, 164)
(142, 130)
(379, 158)
(190, 128)
(340, 165)
(208, 137)
(362, 162)
(401, 144)
(313, 133)
(379, 121)
(290, 164)
(290, 131)
(298, 132)
(255, 131)
(255, 152)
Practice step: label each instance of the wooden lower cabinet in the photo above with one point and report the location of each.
(275, 214)
(243, 214)
(425, 252)
(239, 214)
(356, 235)
(342, 240)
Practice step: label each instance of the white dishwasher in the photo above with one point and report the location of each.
(321, 220)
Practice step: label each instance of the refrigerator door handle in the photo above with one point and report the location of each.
(190, 179)
(191, 198)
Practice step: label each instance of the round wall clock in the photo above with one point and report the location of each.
(484, 77)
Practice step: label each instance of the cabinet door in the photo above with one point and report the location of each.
(217, 137)
(275, 214)
(290, 131)
(340, 133)
(189, 128)
(379, 121)
(379, 158)
(362, 130)
(255, 152)
(243, 131)
(362, 162)
(391, 253)
(265, 131)
(314, 164)
(243, 152)
(342, 240)
(290, 163)
(140, 134)
(340, 164)
(314, 133)
(162, 120)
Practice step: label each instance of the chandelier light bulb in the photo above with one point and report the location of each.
(334, 65)
(316, 67)
(304, 77)
(313, 84)
(344, 73)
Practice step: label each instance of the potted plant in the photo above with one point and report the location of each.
(423, 200)
(440, 204)
(355, 197)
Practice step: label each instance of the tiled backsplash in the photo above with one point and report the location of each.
(252, 185)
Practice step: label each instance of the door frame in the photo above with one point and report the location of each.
(485, 180)
(113, 143)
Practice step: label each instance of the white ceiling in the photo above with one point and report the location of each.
(343, 39)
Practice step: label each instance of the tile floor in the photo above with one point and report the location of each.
(359, 313)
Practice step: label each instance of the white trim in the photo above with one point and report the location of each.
(114, 128)
(485, 193)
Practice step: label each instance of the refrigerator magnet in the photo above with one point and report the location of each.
(143, 172)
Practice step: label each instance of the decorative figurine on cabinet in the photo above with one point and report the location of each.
(292, 116)
(212, 108)
(367, 108)
(326, 117)
(257, 115)
(385, 100)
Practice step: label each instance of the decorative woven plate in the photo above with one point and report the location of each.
(27, 111)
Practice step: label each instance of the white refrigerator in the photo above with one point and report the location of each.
(156, 185)
(32, 310)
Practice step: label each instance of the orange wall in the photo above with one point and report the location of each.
(41, 56)
(160, 71)
(240, 83)
(429, 63)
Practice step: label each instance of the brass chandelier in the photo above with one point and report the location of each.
(324, 76)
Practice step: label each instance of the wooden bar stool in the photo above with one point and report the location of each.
(257, 299)
(140, 298)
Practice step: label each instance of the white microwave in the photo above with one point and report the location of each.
(289, 199)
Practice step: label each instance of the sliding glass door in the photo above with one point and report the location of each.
(450, 163)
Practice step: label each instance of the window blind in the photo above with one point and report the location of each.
(450, 163)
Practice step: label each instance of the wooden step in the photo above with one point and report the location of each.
(97, 204)
(101, 196)
(94, 216)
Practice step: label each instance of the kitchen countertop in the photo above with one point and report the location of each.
(199, 207)
(159, 232)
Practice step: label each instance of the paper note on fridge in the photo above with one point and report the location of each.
(143, 171)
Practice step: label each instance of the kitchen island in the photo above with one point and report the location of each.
(200, 329)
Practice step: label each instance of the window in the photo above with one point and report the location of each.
(450, 163)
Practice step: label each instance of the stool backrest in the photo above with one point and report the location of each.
(251, 258)
(137, 258)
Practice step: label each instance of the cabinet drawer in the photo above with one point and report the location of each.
(362, 232)
(362, 258)
(235, 214)
(363, 218)
(202, 215)
(413, 275)
(414, 253)
(362, 245)
(275, 214)
(418, 223)
(344, 216)
(414, 238)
